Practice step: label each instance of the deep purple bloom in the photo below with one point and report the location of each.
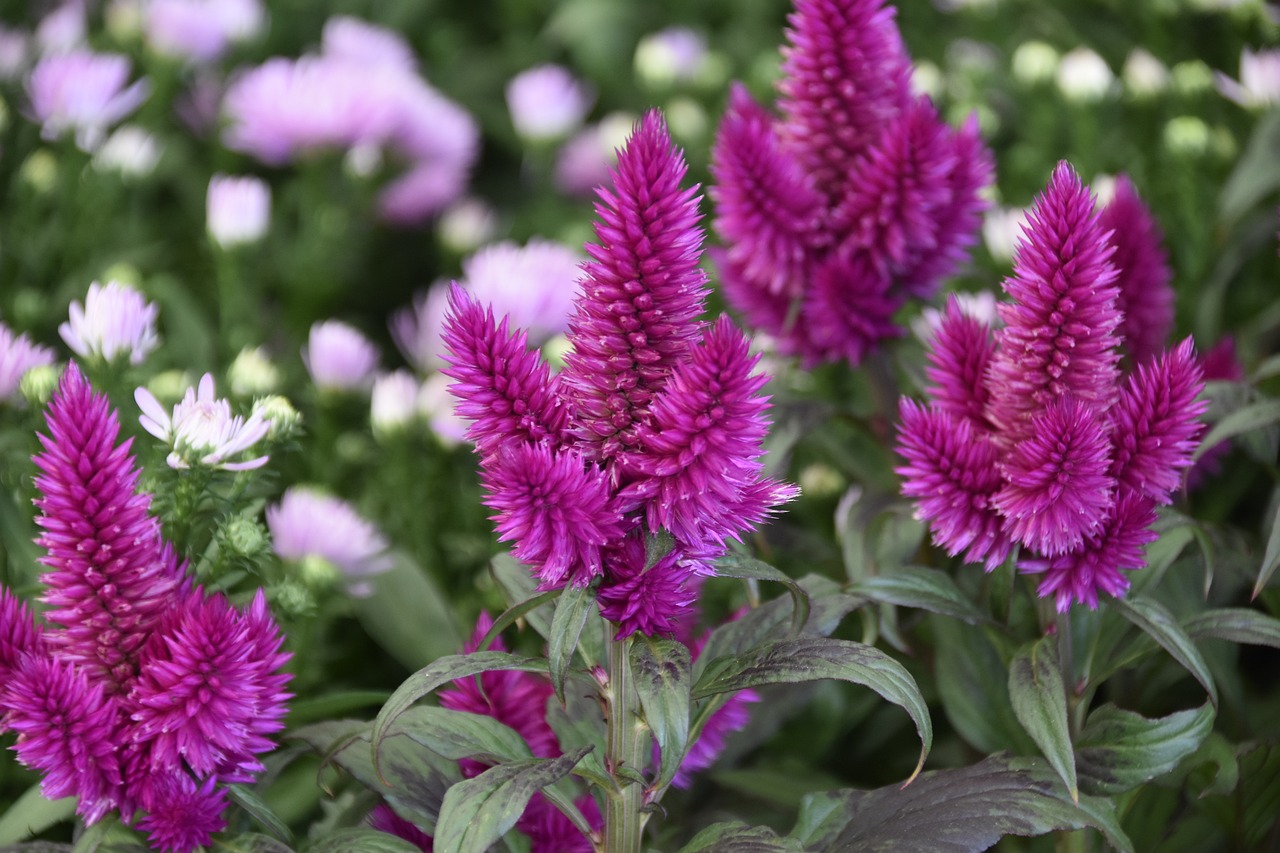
(642, 293)
(549, 831)
(384, 819)
(650, 599)
(1060, 330)
(1145, 297)
(20, 635)
(847, 312)
(958, 359)
(184, 816)
(1057, 490)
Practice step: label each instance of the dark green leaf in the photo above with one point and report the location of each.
(823, 816)
(737, 837)
(1040, 701)
(458, 734)
(32, 813)
(515, 613)
(957, 811)
(1272, 557)
(364, 840)
(253, 805)
(738, 566)
(1160, 625)
(925, 589)
(409, 615)
(250, 842)
(518, 585)
(815, 658)
(974, 685)
(1120, 750)
(572, 610)
(478, 812)
(579, 723)
(1237, 625)
(660, 672)
(441, 672)
(1253, 416)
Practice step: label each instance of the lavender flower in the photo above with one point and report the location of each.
(1145, 297)
(18, 355)
(393, 405)
(203, 430)
(547, 102)
(583, 162)
(673, 55)
(115, 321)
(350, 38)
(418, 329)
(201, 31)
(237, 210)
(83, 92)
(339, 357)
(1259, 83)
(307, 524)
(532, 285)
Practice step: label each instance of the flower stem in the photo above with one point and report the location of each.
(622, 819)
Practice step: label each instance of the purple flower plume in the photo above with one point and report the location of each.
(652, 599)
(20, 635)
(1145, 297)
(384, 819)
(1219, 363)
(184, 814)
(960, 353)
(642, 293)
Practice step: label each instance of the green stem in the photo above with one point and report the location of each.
(622, 819)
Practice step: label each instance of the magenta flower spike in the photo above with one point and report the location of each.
(959, 356)
(184, 816)
(20, 635)
(1145, 297)
(109, 577)
(1060, 330)
(642, 293)
(653, 600)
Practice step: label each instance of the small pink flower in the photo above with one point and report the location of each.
(201, 31)
(203, 430)
(115, 321)
(83, 92)
(237, 209)
(307, 523)
(547, 102)
(18, 355)
(184, 816)
(339, 357)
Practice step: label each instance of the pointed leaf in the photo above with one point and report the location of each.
(1120, 750)
(1264, 413)
(815, 658)
(924, 589)
(364, 840)
(737, 837)
(333, 705)
(32, 813)
(254, 806)
(1272, 557)
(250, 842)
(518, 584)
(408, 614)
(477, 812)
(1160, 625)
(738, 566)
(1237, 625)
(660, 670)
(459, 734)
(974, 685)
(1040, 701)
(572, 610)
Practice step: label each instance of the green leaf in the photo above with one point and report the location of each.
(974, 686)
(572, 610)
(333, 705)
(1246, 419)
(459, 734)
(1160, 625)
(516, 612)
(1236, 625)
(409, 615)
(479, 811)
(1120, 750)
(94, 837)
(1257, 172)
(1271, 558)
(250, 842)
(518, 585)
(441, 672)
(253, 805)
(32, 813)
(736, 837)
(924, 589)
(964, 810)
(815, 658)
(738, 566)
(1040, 701)
(660, 670)
(364, 840)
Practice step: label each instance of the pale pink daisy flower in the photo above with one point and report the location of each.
(201, 31)
(307, 524)
(339, 357)
(547, 102)
(18, 354)
(83, 92)
(237, 209)
(115, 321)
(203, 429)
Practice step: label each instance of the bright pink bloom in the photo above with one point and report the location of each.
(1145, 296)
(958, 359)
(652, 600)
(184, 817)
(550, 831)
(20, 635)
(847, 312)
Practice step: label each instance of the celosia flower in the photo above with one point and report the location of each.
(306, 524)
(203, 430)
(83, 92)
(20, 635)
(339, 357)
(550, 831)
(201, 31)
(1259, 83)
(18, 354)
(237, 209)
(1218, 364)
(114, 321)
(547, 102)
(652, 599)
(857, 198)
(184, 816)
(958, 358)
(1145, 298)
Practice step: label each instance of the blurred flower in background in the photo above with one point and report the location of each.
(1084, 76)
(328, 538)
(1259, 83)
(238, 210)
(201, 31)
(672, 56)
(83, 92)
(14, 52)
(339, 357)
(131, 151)
(114, 321)
(62, 30)
(583, 162)
(18, 354)
(547, 102)
(393, 405)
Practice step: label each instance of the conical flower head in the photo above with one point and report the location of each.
(651, 597)
(1060, 330)
(847, 313)
(109, 575)
(20, 635)
(502, 386)
(1145, 297)
(184, 815)
(642, 293)
(959, 354)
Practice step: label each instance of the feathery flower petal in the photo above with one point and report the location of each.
(18, 355)
(20, 635)
(1145, 296)
(557, 510)
(114, 321)
(1060, 331)
(549, 831)
(502, 386)
(952, 469)
(961, 350)
(184, 817)
(1118, 545)
(652, 600)
(642, 294)
(109, 576)
(1057, 488)
(1156, 423)
(202, 430)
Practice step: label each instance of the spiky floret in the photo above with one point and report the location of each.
(1145, 297)
(845, 74)
(184, 815)
(652, 599)
(557, 510)
(1057, 489)
(1060, 330)
(502, 386)
(847, 313)
(20, 635)
(959, 355)
(952, 469)
(1117, 546)
(642, 293)
(1156, 423)
(68, 729)
(109, 575)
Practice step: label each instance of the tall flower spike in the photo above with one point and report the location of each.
(642, 293)
(20, 635)
(109, 577)
(1145, 297)
(502, 386)
(1060, 331)
(1157, 423)
(958, 358)
(558, 511)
